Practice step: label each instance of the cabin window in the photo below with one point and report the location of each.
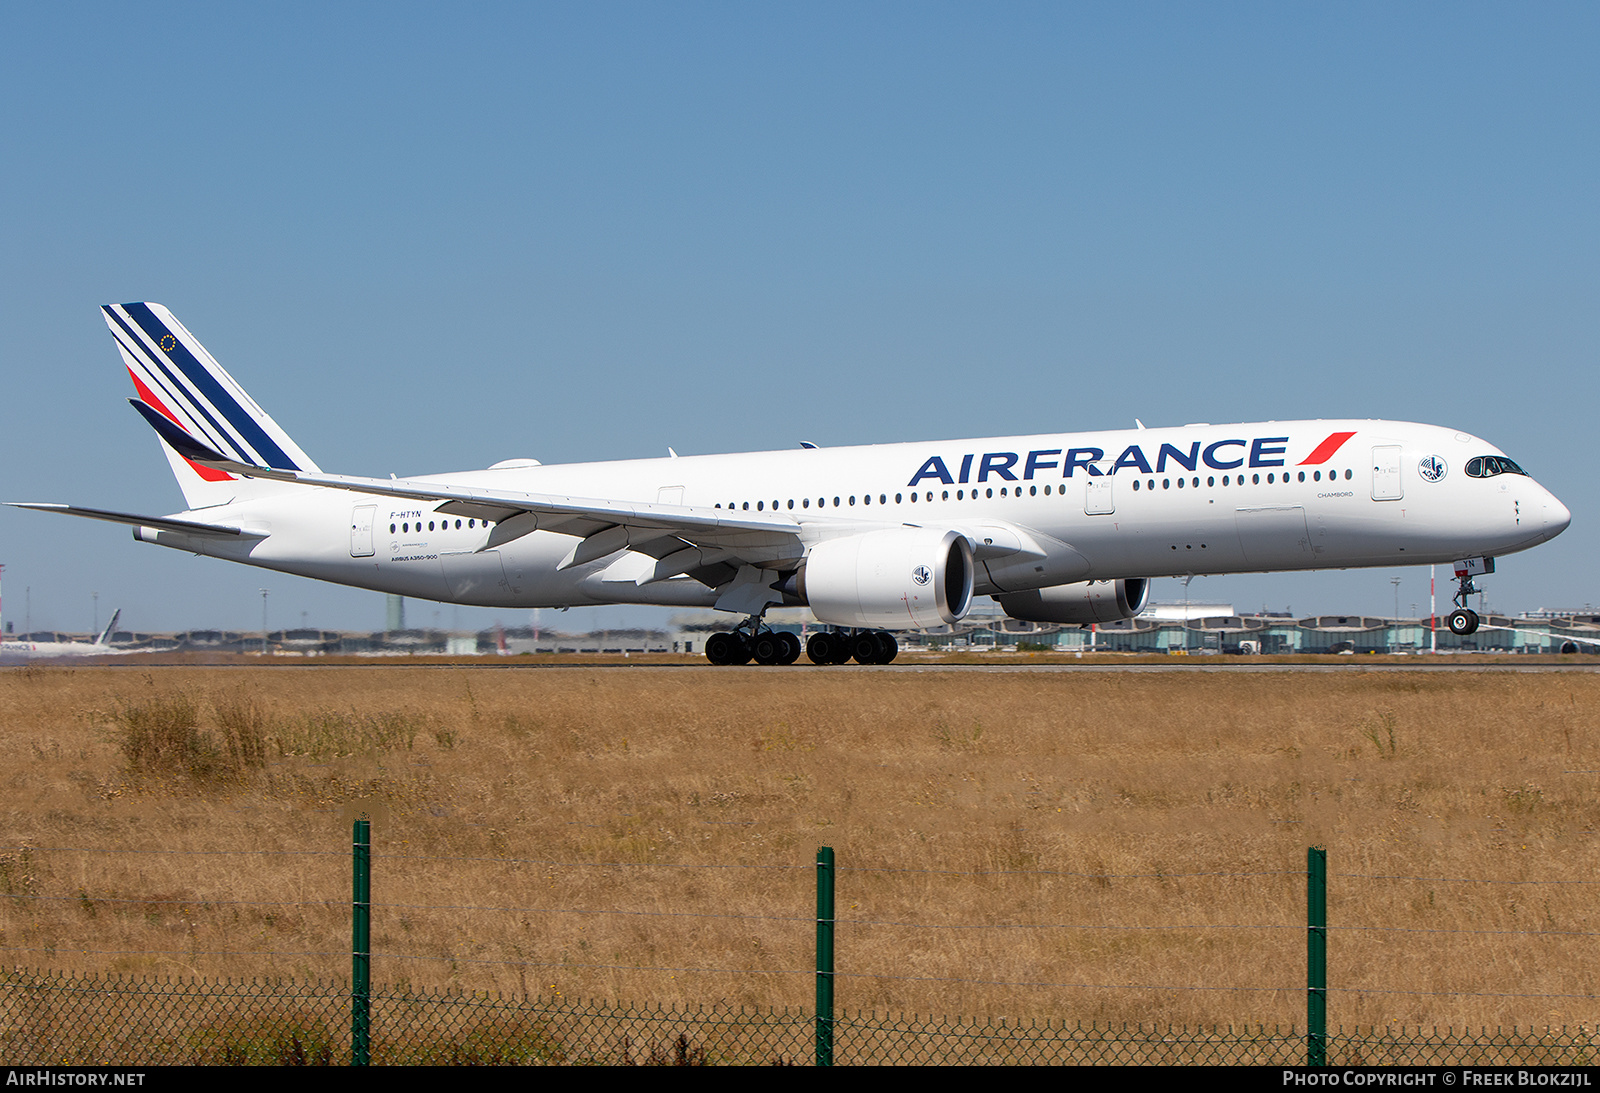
(1135, 486)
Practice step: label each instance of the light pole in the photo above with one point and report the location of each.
(263, 622)
(1433, 616)
(1394, 630)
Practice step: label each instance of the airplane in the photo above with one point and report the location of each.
(100, 647)
(1065, 528)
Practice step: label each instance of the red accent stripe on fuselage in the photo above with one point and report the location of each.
(1325, 450)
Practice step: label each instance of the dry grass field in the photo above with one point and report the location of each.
(1095, 846)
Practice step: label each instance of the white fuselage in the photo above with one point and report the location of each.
(1200, 499)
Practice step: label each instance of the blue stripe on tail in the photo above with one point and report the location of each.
(212, 391)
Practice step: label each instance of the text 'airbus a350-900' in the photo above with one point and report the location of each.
(1059, 528)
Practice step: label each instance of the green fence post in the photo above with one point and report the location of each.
(361, 947)
(1316, 956)
(824, 956)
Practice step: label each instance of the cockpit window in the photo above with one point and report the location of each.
(1487, 466)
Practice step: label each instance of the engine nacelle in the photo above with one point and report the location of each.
(1079, 604)
(894, 579)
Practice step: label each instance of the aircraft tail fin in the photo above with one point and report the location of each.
(111, 628)
(176, 377)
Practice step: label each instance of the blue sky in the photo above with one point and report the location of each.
(428, 239)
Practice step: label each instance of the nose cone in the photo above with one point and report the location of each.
(1556, 516)
(1551, 516)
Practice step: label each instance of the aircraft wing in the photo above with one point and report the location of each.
(684, 538)
(132, 519)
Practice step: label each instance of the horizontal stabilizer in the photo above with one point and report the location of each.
(160, 523)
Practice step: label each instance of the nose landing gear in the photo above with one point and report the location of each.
(1464, 620)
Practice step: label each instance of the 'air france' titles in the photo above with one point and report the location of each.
(1220, 455)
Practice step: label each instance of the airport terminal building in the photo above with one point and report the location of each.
(1216, 628)
(1167, 629)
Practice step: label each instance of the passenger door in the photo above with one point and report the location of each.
(1386, 473)
(361, 520)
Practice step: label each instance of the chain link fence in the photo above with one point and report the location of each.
(58, 1019)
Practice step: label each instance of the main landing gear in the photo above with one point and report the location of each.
(760, 645)
(751, 641)
(1464, 620)
(862, 646)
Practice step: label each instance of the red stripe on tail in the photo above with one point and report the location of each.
(210, 474)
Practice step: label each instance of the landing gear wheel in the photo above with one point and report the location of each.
(768, 648)
(724, 648)
(864, 647)
(720, 649)
(823, 647)
(791, 648)
(888, 647)
(1463, 621)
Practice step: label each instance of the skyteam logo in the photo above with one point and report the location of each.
(1431, 468)
(922, 574)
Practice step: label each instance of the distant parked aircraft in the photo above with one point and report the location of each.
(100, 647)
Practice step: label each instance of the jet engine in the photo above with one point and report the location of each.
(896, 579)
(1081, 603)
